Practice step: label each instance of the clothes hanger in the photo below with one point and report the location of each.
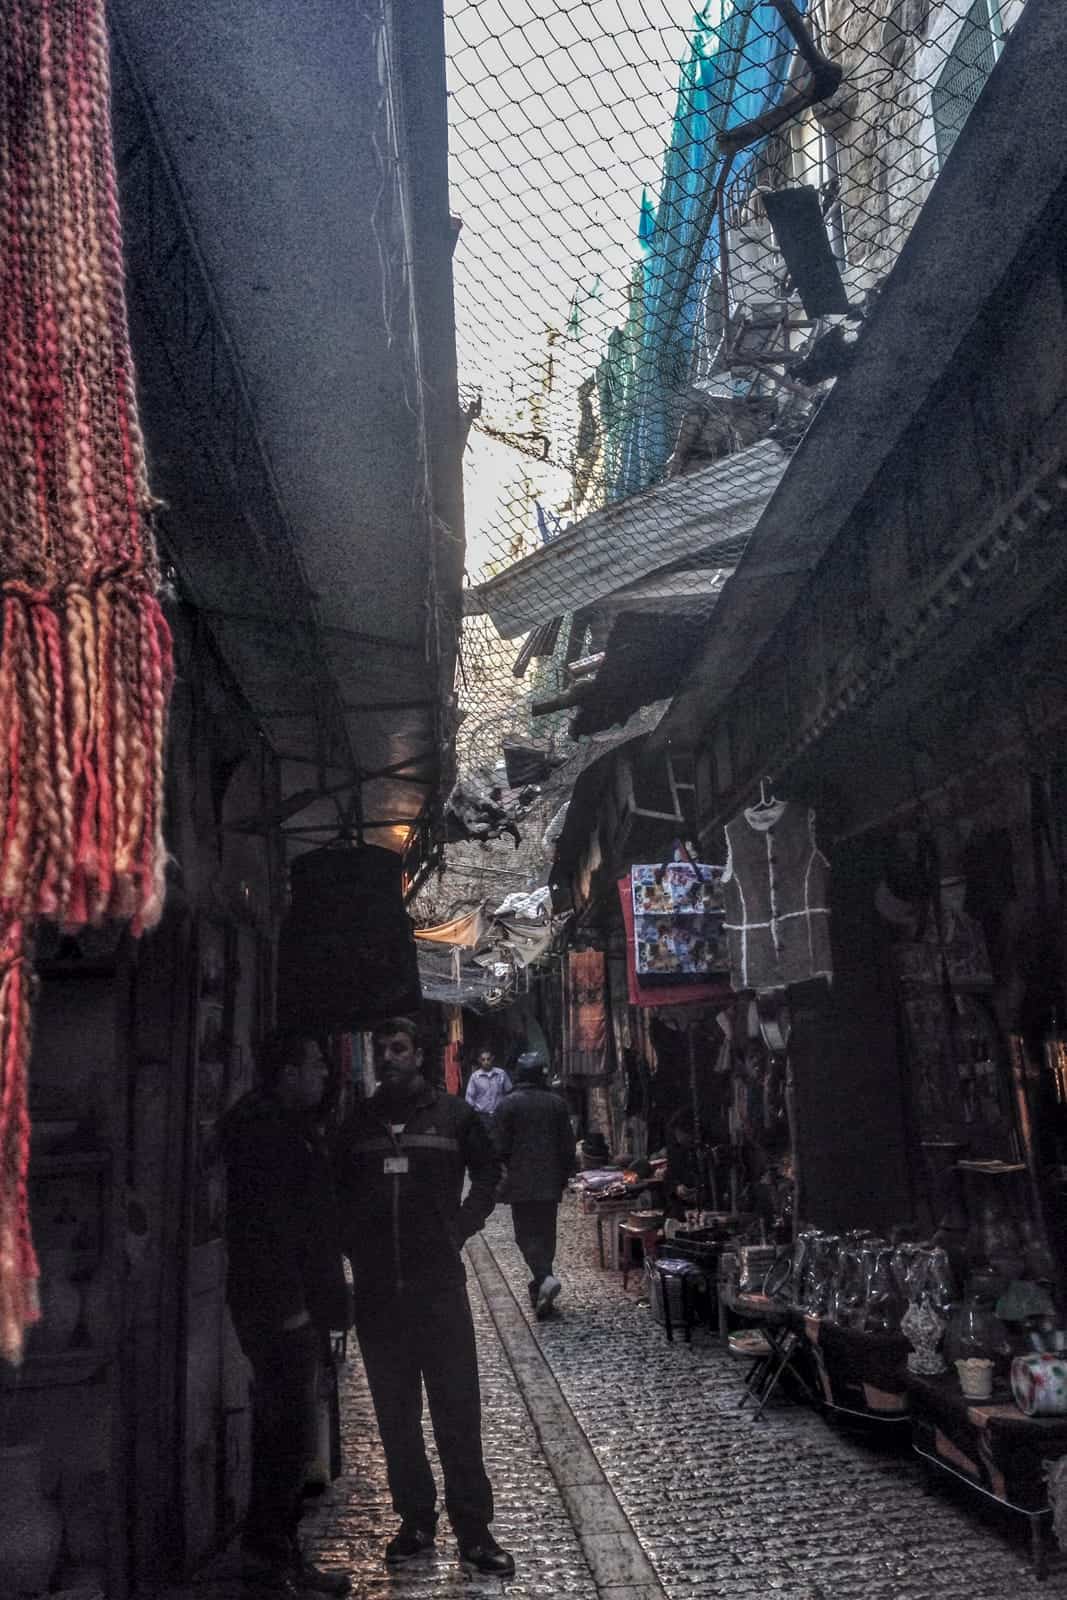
(767, 801)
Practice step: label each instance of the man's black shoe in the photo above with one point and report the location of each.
(408, 1542)
(315, 1580)
(487, 1556)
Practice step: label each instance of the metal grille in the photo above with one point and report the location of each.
(963, 76)
(674, 225)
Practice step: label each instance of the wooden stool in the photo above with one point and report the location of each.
(628, 1232)
(609, 1216)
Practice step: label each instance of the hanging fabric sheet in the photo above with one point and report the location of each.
(586, 1053)
(468, 931)
(454, 1051)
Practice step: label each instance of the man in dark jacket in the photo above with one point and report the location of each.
(401, 1160)
(286, 1291)
(533, 1135)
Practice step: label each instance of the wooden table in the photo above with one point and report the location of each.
(990, 1445)
(860, 1374)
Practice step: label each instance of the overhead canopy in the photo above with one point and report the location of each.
(284, 192)
(712, 511)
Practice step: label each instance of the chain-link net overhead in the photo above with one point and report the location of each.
(673, 226)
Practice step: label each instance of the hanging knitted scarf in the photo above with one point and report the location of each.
(85, 660)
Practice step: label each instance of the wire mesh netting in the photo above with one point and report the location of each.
(674, 225)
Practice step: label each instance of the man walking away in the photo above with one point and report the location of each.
(533, 1135)
(401, 1161)
(488, 1085)
(286, 1290)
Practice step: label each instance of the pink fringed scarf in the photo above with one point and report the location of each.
(85, 656)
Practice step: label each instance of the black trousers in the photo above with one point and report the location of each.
(534, 1222)
(413, 1339)
(285, 1370)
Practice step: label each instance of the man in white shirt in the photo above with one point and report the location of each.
(488, 1085)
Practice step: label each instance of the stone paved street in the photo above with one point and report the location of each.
(724, 1505)
(623, 1471)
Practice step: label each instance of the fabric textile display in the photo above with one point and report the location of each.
(586, 1054)
(467, 931)
(454, 1051)
(652, 992)
(776, 886)
(85, 660)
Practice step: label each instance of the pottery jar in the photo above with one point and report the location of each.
(976, 1377)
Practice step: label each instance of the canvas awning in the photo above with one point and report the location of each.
(468, 931)
(713, 510)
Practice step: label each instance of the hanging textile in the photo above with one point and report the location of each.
(454, 1051)
(85, 662)
(468, 931)
(650, 991)
(777, 898)
(586, 1054)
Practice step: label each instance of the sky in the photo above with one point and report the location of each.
(560, 112)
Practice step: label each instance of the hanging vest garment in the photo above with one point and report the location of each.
(776, 890)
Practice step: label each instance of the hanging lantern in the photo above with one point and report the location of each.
(346, 956)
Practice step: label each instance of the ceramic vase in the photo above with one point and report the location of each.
(1039, 1384)
(30, 1525)
(976, 1377)
(924, 1329)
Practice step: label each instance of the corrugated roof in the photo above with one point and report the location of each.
(713, 510)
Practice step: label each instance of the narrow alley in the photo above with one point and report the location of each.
(533, 566)
(624, 1470)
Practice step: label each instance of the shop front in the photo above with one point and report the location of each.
(881, 768)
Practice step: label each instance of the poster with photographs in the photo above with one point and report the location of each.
(678, 920)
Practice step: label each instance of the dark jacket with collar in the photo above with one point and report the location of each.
(282, 1229)
(403, 1216)
(534, 1138)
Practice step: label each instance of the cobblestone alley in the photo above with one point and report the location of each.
(624, 1471)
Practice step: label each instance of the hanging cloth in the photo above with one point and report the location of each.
(776, 886)
(587, 1016)
(85, 662)
(454, 1051)
(468, 931)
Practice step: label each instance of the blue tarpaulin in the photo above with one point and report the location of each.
(737, 68)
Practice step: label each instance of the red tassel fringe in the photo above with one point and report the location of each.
(85, 654)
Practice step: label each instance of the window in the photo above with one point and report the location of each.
(973, 57)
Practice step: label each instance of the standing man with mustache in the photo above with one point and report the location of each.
(401, 1162)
